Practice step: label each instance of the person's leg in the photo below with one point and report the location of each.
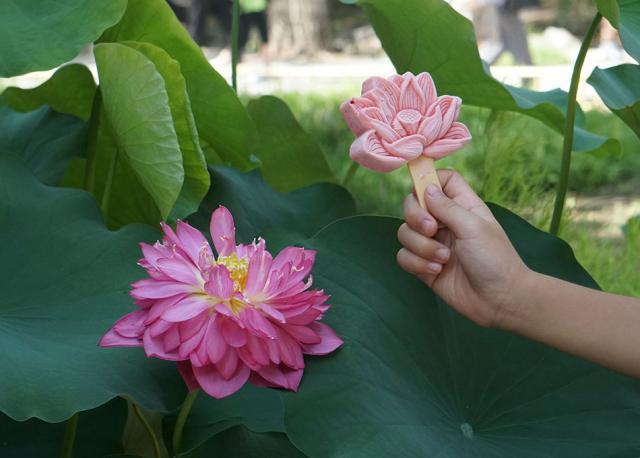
(243, 32)
(514, 36)
(198, 20)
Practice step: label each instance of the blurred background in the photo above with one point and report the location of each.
(315, 53)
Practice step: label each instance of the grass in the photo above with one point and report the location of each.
(513, 161)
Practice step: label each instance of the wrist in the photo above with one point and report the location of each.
(518, 310)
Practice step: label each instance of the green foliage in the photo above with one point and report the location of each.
(262, 209)
(419, 35)
(65, 279)
(40, 34)
(629, 26)
(221, 119)
(290, 156)
(414, 378)
(619, 88)
(138, 117)
(44, 139)
(70, 90)
(99, 434)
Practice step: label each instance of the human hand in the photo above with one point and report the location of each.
(470, 262)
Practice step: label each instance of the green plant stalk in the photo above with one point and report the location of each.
(182, 419)
(235, 31)
(567, 146)
(106, 195)
(90, 167)
(351, 171)
(69, 437)
(148, 428)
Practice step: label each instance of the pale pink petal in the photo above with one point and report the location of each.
(430, 126)
(383, 130)
(160, 306)
(192, 343)
(258, 350)
(258, 272)
(455, 139)
(258, 324)
(191, 327)
(216, 346)
(272, 312)
(170, 339)
(290, 351)
(192, 241)
(113, 339)
(450, 108)
(184, 367)
(411, 95)
(223, 231)
(228, 364)
(181, 271)
(369, 152)
(154, 347)
(132, 324)
(188, 308)
(330, 340)
(153, 289)
(273, 374)
(350, 112)
(407, 148)
(214, 384)
(233, 334)
(293, 376)
(428, 88)
(160, 327)
(220, 284)
(373, 113)
(303, 334)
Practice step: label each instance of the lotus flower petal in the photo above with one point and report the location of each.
(369, 152)
(226, 320)
(456, 137)
(223, 231)
(407, 148)
(411, 95)
(402, 107)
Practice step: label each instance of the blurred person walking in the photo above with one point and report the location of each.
(499, 29)
(253, 13)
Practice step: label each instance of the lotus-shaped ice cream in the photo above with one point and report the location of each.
(400, 118)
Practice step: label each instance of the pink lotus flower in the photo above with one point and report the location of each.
(400, 118)
(241, 316)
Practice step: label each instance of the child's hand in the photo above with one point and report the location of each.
(470, 262)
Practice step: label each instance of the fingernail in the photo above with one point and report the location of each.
(428, 225)
(434, 267)
(442, 254)
(433, 190)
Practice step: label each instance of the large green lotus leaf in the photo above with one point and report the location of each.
(610, 10)
(429, 35)
(136, 105)
(64, 282)
(46, 141)
(196, 176)
(291, 158)
(41, 34)
(221, 119)
(619, 89)
(240, 442)
(70, 90)
(258, 409)
(99, 434)
(629, 26)
(414, 378)
(260, 209)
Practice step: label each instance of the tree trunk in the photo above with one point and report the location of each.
(298, 27)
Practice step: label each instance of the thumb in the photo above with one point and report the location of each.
(458, 219)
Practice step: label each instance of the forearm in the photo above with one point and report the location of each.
(594, 325)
